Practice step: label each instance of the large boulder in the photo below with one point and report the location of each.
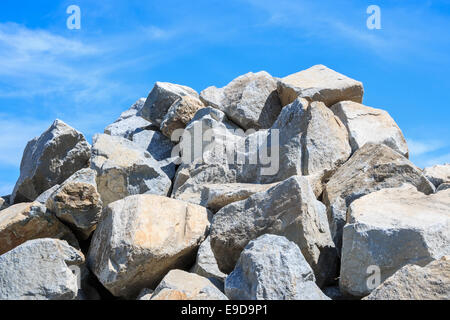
(289, 209)
(129, 122)
(27, 221)
(206, 264)
(438, 174)
(413, 282)
(182, 285)
(389, 229)
(125, 169)
(250, 100)
(40, 270)
(77, 202)
(319, 83)
(366, 124)
(161, 98)
(272, 268)
(49, 160)
(140, 238)
(372, 167)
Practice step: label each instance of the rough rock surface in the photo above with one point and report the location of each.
(289, 209)
(40, 270)
(272, 268)
(319, 83)
(187, 286)
(444, 186)
(4, 202)
(250, 100)
(206, 264)
(413, 282)
(43, 197)
(77, 202)
(438, 174)
(373, 167)
(27, 221)
(140, 238)
(161, 98)
(129, 122)
(389, 229)
(49, 160)
(366, 124)
(124, 169)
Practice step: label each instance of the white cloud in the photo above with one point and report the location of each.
(418, 147)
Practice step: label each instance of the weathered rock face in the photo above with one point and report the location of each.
(181, 285)
(180, 114)
(124, 169)
(272, 268)
(373, 167)
(438, 174)
(129, 122)
(289, 209)
(43, 197)
(319, 83)
(78, 202)
(40, 270)
(250, 100)
(49, 160)
(161, 98)
(140, 238)
(366, 124)
(444, 186)
(27, 221)
(412, 282)
(4, 202)
(206, 264)
(145, 294)
(389, 229)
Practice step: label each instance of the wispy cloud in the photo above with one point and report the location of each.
(426, 153)
(418, 147)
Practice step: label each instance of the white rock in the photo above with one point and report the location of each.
(389, 229)
(366, 124)
(319, 83)
(140, 238)
(125, 169)
(49, 160)
(438, 174)
(272, 268)
(40, 270)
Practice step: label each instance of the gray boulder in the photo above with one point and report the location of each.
(438, 174)
(206, 264)
(289, 209)
(49, 160)
(43, 197)
(444, 186)
(272, 268)
(40, 270)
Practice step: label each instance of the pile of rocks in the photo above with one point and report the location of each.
(339, 212)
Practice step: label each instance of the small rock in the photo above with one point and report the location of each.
(4, 202)
(49, 160)
(145, 294)
(140, 238)
(319, 83)
(27, 221)
(389, 229)
(181, 285)
(40, 270)
(272, 268)
(206, 264)
(444, 186)
(438, 174)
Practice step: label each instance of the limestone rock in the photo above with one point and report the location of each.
(40, 270)
(124, 169)
(412, 282)
(272, 268)
(140, 238)
(372, 167)
(181, 285)
(77, 202)
(319, 83)
(27, 221)
(250, 100)
(206, 264)
(161, 98)
(49, 160)
(389, 229)
(129, 122)
(366, 124)
(180, 114)
(289, 209)
(438, 174)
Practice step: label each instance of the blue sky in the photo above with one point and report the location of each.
(88, 77)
